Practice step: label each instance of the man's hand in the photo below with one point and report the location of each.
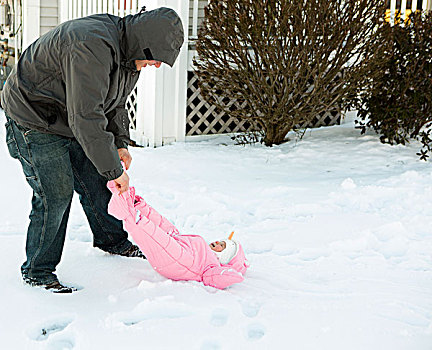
(125, 157)
(122, 182)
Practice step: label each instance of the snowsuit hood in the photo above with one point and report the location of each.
(239, 262)
(153, 35)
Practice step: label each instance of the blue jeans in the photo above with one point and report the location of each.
(55, 166)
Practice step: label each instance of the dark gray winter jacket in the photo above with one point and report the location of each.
(74, 80)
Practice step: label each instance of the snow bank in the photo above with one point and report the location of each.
(336, 229)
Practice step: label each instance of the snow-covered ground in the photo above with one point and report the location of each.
(337, 229)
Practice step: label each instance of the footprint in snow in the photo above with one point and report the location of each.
(61, 344)
(210, 345)
(255, 331)
(158, 309)
(250, 308)
(41, 332)
(219, 317)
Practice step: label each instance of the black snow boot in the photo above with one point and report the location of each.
(57, 287)
(54, 287)
(132, 252)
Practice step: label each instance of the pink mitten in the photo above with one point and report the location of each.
(121, 206)
(221, 277)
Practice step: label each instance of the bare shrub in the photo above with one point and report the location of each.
(285, 61)
(397, 102)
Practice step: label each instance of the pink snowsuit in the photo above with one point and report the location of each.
(174, 256)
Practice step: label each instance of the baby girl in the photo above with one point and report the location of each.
(175, 256)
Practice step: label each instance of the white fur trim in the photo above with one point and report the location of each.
(229, 252)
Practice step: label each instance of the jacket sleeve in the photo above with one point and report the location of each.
(221, 277)
(118, 124)
(86, 67)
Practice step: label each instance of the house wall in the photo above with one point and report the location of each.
(200, 13)
(49, 15)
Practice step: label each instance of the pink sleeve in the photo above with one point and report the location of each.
(151, 214)
(156, 244)
(221, 277)
(160, 248)
(121, 205)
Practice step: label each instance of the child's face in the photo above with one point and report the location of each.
(218, 246)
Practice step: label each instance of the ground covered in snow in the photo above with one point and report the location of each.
(337, 229)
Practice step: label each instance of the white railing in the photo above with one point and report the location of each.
(82, 8)
(71, 9)
(404, 10)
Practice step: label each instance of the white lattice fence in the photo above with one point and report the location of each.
(203, 119)
(131, 106)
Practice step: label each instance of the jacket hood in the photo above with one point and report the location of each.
(153, 35)
(239, 262)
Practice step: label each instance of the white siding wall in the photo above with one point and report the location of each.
(49, 15)
(201, 5)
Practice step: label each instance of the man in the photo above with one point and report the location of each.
(68, 126)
